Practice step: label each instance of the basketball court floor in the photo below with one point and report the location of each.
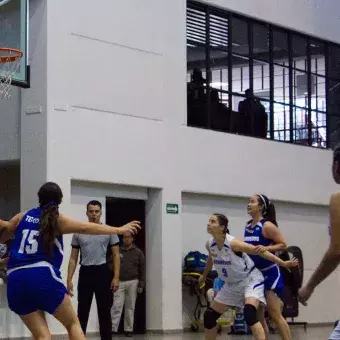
(312, 333)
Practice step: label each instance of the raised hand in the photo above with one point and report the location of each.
(131, 227)
(292, 263)
(305, 293)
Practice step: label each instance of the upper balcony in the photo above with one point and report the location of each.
(257, 79)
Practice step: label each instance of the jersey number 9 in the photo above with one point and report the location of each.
(225, 273)
(31, 237)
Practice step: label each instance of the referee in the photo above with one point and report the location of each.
(95, 277)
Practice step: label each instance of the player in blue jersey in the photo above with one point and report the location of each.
(262, 232)
(34, 281)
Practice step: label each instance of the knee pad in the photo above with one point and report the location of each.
(250, 315)
(210, 318)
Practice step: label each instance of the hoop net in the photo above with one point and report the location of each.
(9, 65)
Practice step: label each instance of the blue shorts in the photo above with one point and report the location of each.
(33, 289)
(273, 280)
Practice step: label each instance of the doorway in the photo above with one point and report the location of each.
(120, 211)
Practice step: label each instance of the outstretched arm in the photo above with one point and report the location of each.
(240, 246)
(208, 266)
(7, 228)
(69, 226)
(331, 259)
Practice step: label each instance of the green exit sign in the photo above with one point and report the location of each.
(171, 208)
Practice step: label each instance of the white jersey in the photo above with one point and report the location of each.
(229, 266)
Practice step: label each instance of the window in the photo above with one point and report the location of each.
(253, 78)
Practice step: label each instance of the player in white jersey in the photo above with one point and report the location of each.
(244, 284)
(331, 259)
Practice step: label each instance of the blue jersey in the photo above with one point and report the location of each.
(253, 235)
(27, 249)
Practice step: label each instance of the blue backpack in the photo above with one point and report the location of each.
(195, 259)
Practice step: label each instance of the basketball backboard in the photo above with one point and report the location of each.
(14, 34)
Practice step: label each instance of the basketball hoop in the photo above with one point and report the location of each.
(9, 65)
(3, 2)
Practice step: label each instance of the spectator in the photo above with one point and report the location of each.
(252, 118)
(197, 100)
(132, 281)
(95, 277)
(220, 114)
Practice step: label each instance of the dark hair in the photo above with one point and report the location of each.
(94, 202)
(268, 210)
(50, 197)
(336, 156)
(223, 220)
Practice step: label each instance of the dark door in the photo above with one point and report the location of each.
(120, 211)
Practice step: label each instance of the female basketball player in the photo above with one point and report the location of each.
(262, 231)
(244, 284)
(34, 282)
(331, 259)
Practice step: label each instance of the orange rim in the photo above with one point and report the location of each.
(10, 58)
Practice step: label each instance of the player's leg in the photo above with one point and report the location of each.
(66, 315)
(23, 300)
(254, 296)
(250, 316)
(211, 315)
(52, 297)
(231, 295)
(274, 310)
(261, 315)
(274, 285)
(36, 323)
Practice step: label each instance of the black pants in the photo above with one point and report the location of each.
(96, 280)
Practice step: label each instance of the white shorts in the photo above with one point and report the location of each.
(233, 294)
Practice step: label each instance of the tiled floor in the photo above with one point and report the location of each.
(312, 333)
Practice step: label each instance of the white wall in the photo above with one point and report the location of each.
(301, 225)
(307, 16)
(10, 126)
(124, 124)
(33, 127)
(159, 232)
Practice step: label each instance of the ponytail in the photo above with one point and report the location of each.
(49, 229)
(271, 214)
(223, 221)
(268, 211)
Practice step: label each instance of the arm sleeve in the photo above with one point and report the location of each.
(114, 240)
(75, 241)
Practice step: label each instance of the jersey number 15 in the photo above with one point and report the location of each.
(31, 237)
